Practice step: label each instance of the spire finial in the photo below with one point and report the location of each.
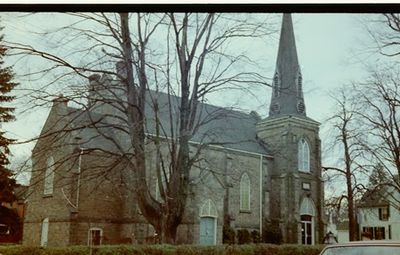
(287, 96)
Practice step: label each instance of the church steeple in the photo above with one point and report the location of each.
(287, 95)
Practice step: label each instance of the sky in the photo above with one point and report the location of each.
(330, 49)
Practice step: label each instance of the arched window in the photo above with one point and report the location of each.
(304, 156)
(307, 207)
(245, 192)
(208, 209)
(49, 177)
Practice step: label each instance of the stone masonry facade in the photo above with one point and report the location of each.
(81, 194)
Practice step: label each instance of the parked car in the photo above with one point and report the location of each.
(363, 248)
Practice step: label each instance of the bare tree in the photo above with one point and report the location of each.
(347, 137)
(379, 100)
(370, 135)
(384, 30)
(186, 56)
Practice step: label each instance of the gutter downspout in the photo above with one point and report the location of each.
(76, 206)
(79, 178)
(261, 193)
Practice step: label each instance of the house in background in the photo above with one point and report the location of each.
(342, 229)
(254, 172)
(12, 217)
(379, 215)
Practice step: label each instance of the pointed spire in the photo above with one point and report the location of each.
(287, 54)
(287, 96)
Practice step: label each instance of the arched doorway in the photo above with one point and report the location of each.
(307, 215)
(208, 223)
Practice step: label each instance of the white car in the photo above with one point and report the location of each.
(363, 248)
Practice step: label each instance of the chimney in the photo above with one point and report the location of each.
(121, 70)
(93, 87)
(60, 104)
(60, 99)
(94, 80)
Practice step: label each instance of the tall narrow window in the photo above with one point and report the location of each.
(304, 156)
(49, 177)
(245, 192)
(45, 232)
(299, 84)
(277, 84)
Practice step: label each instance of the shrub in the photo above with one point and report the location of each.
(267, 249)
(243, 236)
(292, 249)
(255, 236)
(228, 235)
(28, 250)
(272, 233)
(246, 249)
(159, 249)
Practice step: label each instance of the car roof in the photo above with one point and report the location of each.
(367, 243)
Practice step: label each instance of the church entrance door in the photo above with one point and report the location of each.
(307, 215)
(306, 229)
(207, 230)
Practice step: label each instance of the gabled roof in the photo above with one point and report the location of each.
(374, 198)
(216, 126)
(92, 130)
(383, 193)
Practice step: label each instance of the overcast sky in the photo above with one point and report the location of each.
(328, 47)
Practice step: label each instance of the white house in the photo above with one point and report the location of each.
(379, 215)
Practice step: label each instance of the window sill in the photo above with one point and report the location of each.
(305, 172)
(47, 195)
(245, 211)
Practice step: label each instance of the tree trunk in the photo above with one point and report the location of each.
(148, 206)
(350, 198)
(169, 233)
(165, 216)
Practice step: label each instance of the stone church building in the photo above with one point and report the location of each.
(255, 173)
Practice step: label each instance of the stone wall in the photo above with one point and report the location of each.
(101, 193)
(290, 185)
(54, 206)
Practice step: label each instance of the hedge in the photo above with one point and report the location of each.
(248, 249)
